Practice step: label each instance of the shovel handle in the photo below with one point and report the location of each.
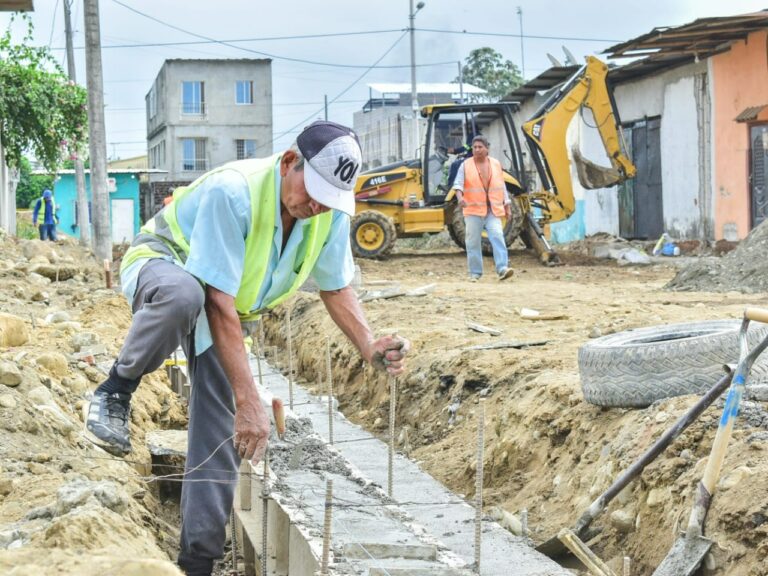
(756, 314)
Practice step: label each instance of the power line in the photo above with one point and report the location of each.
(208, 39)
(513, 35)
(238, 40)
(53, 23)
(340, 94)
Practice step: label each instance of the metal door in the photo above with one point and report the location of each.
(122, 220)
(757, 173)
(647, 198)
(627, 196)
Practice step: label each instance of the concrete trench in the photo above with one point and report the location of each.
(425, 530)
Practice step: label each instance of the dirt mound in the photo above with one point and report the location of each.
(744, 269)
(66, 506)
(547, 452)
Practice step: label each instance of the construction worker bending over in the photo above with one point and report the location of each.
(481, 193)
(236, 242)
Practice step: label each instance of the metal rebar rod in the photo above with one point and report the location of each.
(233, 531)
(261, 338)
(327, 527)
(392, 413)
(329, 376)
(479, 483)
(290, 358)
(264, 510)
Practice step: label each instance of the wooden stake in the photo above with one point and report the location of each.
(583, 553)
(107, 273)
(627, 566)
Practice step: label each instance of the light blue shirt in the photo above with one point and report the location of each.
(216, 218)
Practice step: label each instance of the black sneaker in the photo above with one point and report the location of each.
(107, 421)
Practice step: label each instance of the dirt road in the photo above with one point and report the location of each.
(548, 451)
(67, 508)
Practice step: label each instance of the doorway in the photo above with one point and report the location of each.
(758, 166)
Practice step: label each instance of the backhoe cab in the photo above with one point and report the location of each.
(411, 198)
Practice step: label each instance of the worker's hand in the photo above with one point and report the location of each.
(462, 202)
(251, 429)
(508, 210)
(388, 353)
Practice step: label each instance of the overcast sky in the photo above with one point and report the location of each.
(377, 33)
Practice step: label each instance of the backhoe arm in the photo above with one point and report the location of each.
(546, 137)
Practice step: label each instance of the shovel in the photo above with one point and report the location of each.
(689, 550)
(554, 548)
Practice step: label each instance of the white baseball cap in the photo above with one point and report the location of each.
(332, 161)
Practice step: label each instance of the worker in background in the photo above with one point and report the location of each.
(47, 227)
(482, 195)
(232, 245)
(461, 152)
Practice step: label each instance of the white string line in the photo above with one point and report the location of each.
(185, 473)
(376, 561)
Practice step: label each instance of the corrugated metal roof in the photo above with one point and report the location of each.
(670, 46)
(750, 113)
(424, 88)
(544, 81)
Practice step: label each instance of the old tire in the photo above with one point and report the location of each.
(635, 368)
(512, 228)
(373, 234)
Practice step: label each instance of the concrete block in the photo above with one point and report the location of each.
(303, 561)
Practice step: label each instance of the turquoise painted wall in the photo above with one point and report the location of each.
(66, 195)
(569, 230)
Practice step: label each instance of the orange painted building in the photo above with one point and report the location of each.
(740, 135)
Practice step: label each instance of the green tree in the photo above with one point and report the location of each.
(41, 111)
(30, 186)
(487, 69)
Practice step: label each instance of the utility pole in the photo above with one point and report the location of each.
(522, 45)
(414, 90)
(326, 107)
(102, 237)
(83, 217)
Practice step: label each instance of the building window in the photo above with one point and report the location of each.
(152, 103)
(157, 155)
(193, 154)
(193, 98)
(246, 149)
(244, 92)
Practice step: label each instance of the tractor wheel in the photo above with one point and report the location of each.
(512, 228)
(373, 234)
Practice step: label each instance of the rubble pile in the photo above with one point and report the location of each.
(745, 269)
(67, 506)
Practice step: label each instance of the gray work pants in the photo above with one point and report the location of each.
(166, 305)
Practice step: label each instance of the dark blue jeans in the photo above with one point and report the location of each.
(47, 232)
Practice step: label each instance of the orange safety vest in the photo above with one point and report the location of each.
(479, 194)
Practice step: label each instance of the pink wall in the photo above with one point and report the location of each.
(740, 80)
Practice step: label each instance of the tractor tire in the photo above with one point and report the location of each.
(635, 368)
(373, 234)
(512, 228)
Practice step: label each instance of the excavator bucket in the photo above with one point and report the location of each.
(592, 175)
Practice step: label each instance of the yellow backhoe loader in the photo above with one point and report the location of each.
(411, 198)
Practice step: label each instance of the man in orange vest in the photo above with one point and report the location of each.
(483, 198)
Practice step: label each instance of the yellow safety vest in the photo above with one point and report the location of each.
(162, 236)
